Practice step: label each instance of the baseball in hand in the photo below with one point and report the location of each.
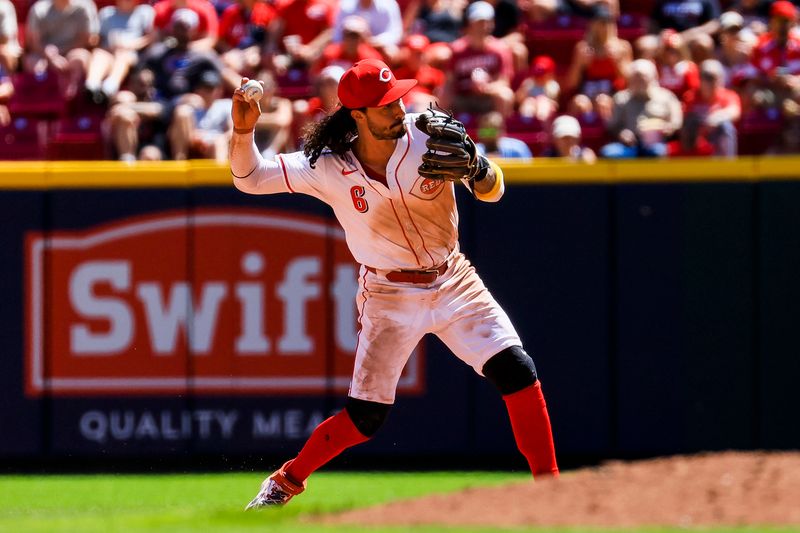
(253, 91)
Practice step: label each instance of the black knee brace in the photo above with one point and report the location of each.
(368, 417)
(510, 370)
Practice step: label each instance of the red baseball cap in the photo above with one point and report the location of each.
(542, 65)
(371, 83)
(784, 9)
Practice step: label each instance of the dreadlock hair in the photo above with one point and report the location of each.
(336, 132)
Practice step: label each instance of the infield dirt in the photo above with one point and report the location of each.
(724, 489)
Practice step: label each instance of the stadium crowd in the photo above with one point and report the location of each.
(151, 80)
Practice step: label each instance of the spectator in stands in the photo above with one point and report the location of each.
(9, 42)
(383, 20)
(353, 47)
(538, 93)
(644, 115)
(300, 32)
(274, 127)
(414, 65)
(492, 141)
(540, 11)
(137, 121)
(736, 45)
(676, 71)
(690, 142)
(125, 29)
(173, 61)
(716, 107)
(58, 35)
(508, 28)
(243, 34)
(481, 67)
(439, 20)
(566, 141)
(776, 55)
(695, 20)
(599, 62)
(323, 103)
(207, 31)
(201, 123)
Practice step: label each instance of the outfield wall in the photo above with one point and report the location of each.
(155, 310)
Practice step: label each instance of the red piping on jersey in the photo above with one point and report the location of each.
(402, 197)
(410, 247)
(285, 175)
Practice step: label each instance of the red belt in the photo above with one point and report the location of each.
(413, 276)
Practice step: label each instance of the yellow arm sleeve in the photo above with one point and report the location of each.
(497, 190)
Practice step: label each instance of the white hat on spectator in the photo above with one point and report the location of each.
(185, 16)
(332, 72)
(480, 10)
(730, 20)
(566, 126)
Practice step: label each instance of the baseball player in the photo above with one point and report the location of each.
(389, 177)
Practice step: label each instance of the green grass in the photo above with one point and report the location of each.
(214, 502)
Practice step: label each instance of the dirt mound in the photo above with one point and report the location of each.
(704, 490)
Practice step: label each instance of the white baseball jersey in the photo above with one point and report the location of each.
(411, 224)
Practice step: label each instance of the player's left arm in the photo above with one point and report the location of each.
(492, 186)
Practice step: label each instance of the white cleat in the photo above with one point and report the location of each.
(277, 489)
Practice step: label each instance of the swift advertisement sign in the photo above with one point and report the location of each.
(208, 301)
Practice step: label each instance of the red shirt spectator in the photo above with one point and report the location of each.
(768, 55)
(676, 72)
(306, 18)
(680, 78)
(236, 25)
(778, 48)
(694, 103)
(208, 25)
(493, 62)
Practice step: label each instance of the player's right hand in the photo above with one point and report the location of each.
(243, 113)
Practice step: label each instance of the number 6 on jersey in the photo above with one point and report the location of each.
(357, 194)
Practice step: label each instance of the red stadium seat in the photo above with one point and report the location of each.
(631, 26)
(78, 138)
(23, 139)
(556, 38)
(528, 130)
(759, 131)
(642, 7)
(38, 96)
(295, 84)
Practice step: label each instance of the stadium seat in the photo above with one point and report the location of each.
(23, 139)
(759, 130)
(37, 96)
(528, 130)
(631, 26)
(77, 138)
(556, 38)
(642, 7)
(295, 84)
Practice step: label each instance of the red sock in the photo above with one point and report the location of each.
(328, 440)
(531, 424)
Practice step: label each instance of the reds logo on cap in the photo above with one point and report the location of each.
(370, 83)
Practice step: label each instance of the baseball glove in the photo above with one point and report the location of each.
(451, 155)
